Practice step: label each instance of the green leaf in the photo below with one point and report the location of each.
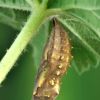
(62, 4)
(85, 40)
(13, 18)
(15, 4)
(75, 4)
(92, 22)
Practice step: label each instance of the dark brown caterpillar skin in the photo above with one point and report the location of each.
(55, 62)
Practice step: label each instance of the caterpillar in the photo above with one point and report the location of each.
(55, 62)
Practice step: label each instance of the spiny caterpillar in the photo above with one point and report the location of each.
(55, 61)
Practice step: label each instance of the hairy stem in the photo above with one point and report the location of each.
(21, 41)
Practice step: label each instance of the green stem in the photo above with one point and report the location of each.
(44, 3)
(21, 41)
(54, 12)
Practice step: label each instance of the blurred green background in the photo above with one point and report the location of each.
(19, 83)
